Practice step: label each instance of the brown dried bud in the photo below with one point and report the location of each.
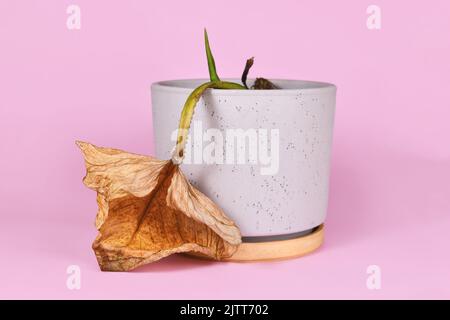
(264, 84)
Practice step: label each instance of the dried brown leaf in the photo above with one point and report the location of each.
(147, 210)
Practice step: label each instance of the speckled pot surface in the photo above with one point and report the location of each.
(280, 197)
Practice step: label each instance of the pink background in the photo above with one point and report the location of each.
(390, 184)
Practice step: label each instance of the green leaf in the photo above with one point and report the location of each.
(211, 64)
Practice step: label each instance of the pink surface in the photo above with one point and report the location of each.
(390, 184)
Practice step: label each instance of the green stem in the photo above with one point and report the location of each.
(188, 112)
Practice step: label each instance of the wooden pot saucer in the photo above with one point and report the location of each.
(276, 250)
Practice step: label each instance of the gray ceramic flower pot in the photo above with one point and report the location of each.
(262, 155)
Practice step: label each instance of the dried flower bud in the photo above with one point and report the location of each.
(264, 84)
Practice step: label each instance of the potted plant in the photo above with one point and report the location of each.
(246, 180)
(260, 149)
